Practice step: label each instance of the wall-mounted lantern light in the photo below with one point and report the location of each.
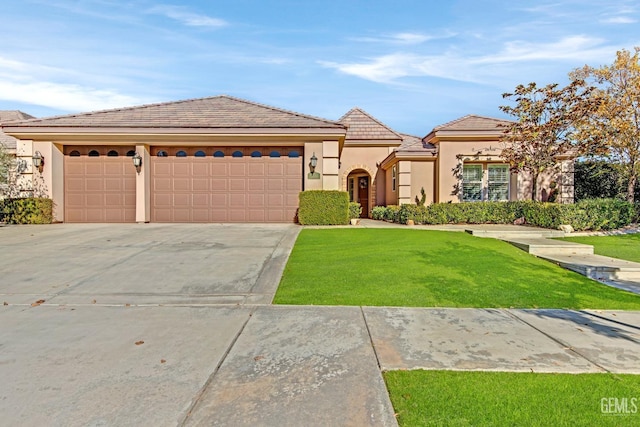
(137, 162)
(313, 162)
(38, 161)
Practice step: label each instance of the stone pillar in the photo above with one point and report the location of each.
(404, 183)
(330, 165)
(143, 186)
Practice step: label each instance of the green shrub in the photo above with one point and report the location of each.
(391, 213)
(320, 207)
(26, 211)
(591, 214)
(378, 212)
(355, 210)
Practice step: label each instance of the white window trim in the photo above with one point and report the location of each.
(394, 178)
(484, 191)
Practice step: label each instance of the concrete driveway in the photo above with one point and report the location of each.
(143, 263)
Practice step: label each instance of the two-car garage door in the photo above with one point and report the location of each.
(201, 184)
(225, 185)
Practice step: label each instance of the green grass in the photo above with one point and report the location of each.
(416, 268)
(623, 246)
(449, 398)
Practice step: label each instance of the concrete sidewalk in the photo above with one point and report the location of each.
(275, 365)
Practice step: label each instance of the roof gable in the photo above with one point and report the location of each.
(213, 112)
(364, 127)
(472, 122)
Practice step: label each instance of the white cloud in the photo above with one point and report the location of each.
(405, 38)
(191, 19)
(514, 57)
(63, 96)
(27, 83)
(619, 20)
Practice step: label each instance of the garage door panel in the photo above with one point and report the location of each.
(237, 169)
(113, 184)
(94, 184)
(227, 189)
(219, 185)
(256, 169)
(237, 184)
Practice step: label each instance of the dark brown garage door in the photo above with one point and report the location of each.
(99, 184)
(225, 184)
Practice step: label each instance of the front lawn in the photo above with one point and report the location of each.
(419, 268)
(450, 398)
(623, 246)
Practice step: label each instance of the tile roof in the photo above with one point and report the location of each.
(214, 112)
(472, 122)
(9, 116)
(362, 127)
(411, 143)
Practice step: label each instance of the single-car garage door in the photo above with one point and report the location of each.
(213, 184)
(99, 184)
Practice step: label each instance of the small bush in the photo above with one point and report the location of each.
(355, 210)
(321, 207)
(378, 212)
(26, 211)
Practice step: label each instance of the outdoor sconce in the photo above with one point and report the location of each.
(38, 161)
(313, 162)
(137, 162)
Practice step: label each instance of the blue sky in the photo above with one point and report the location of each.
(411, 64)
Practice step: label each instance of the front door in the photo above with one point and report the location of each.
(363, 195)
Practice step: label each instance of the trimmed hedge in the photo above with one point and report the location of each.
(591, 214)
(355, 210)
(26, 211)
(321, 207)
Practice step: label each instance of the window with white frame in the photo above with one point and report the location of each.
(351, 192)
(498, 182)
(394, 175)
(488, 182)
(472, 183)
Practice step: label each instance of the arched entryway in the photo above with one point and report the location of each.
(359, 189)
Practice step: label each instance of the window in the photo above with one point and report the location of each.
(498, 184)
(74, 153)
(112, 153)
(200, 153)
(394, 177)
(294, 154)
(181, 153)
(236, 154)
(162, 153)
(472, 183)
(256, 154)
(94, 153)
(131, 153)
(274, 154)
(218, 154)
(351, 192)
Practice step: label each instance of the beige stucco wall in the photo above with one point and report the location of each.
(143, 186)
(448, 186)
(423, 176)
(311, 148)
(391, 196)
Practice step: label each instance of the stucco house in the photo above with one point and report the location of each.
(224, 159)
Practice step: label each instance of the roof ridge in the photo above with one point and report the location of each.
(465, 117)
(182, 101)
(270, 107)
(360, 110)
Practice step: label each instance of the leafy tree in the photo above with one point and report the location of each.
(6, 166)
(544, 128)
(613, 129)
